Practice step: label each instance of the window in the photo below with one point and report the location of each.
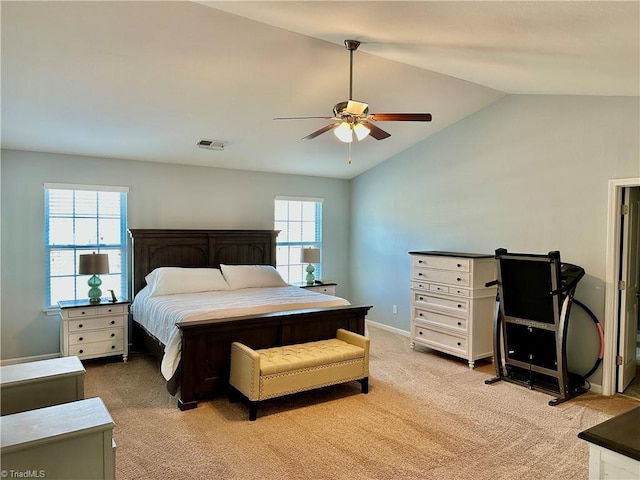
(300, 223)
(82, 219)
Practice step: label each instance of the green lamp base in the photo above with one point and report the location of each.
(310, 277)
(94, 289)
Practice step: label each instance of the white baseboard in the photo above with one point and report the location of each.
(35, 358)
(594, 387)
(382, 326)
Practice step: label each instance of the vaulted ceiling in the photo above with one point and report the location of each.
(148, 80)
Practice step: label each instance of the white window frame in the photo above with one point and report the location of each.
(288, 250)
(119, 280)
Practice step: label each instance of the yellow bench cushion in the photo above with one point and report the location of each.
(305, 355)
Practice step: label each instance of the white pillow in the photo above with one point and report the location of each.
(171, 280)
(249, 276)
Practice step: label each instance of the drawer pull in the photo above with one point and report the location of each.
(81, 351)
(80, 326)
(458, 265)
(419, 333)
(420, 274)
(458, 279)
(109, 310)
(113, 322)
(80, 339)
(459, 344)
(83, 312)
(113, 346)
(420, 261)
(459, 324)
(113, 335)
(420, 314)
(420, 298)
(459, 306)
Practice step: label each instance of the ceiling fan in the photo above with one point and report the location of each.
(352, 118)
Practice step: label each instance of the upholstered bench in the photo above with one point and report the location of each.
(273, 372)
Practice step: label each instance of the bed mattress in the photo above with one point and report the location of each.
(160, 315)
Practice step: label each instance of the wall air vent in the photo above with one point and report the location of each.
(211, 144)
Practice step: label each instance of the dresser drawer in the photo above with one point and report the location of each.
(426, 317)
(442, 276)
(442, 263)
(435, 287)
(95, 323)
(458, 305)
(107, 334)
(441, 341)
(98, 348)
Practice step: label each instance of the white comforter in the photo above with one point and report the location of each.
(160, 314)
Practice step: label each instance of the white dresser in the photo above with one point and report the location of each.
(94, 330)
(451, 309)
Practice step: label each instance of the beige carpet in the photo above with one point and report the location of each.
(427, 416)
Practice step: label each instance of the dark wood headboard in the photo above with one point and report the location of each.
(199, 248)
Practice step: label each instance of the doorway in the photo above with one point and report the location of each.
(621, 289)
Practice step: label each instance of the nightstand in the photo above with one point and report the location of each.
(93, 330)
(326, 288)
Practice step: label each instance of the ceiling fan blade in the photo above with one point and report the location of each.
(376, 132)
(400, 117)
(301, 118)
(324, 129)
(356, 108)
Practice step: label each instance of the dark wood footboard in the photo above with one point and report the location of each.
(206, 345)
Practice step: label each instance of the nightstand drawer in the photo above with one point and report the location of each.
(111, 309)
(97, 348)
(80, 312)
(110, 334)
(94, 323)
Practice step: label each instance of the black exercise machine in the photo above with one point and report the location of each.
(535, 294)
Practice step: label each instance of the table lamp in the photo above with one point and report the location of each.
(310, 256)
(94, 264)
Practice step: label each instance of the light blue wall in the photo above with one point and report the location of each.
(160, 196)
(527, 173)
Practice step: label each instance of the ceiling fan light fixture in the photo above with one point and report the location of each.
(361, 131)
(344, 132)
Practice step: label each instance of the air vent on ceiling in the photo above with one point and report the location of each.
(211, 145)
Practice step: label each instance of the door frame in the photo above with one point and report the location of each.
(612, 274)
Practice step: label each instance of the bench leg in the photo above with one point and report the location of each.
(253, 411)
(365, 384)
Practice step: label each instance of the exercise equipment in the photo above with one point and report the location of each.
(535, 295)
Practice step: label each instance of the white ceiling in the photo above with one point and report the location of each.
(147, 80)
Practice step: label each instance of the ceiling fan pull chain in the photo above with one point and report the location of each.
(349, 153)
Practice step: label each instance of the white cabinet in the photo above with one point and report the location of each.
(451, 308)
(43, 383)
(94, 330)
(71, 441)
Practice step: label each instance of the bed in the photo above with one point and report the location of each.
(205, 343)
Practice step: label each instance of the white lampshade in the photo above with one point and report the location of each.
(93, 263)
(344, 132)
(361, 131)
(310, 255)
